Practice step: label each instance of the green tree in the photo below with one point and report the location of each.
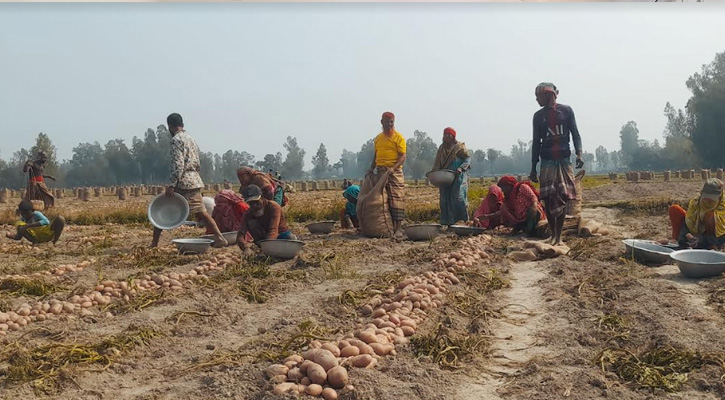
(588, 160)
(706, 108)
(492, 155)
(321, 163)
(421, 153)
(88, 167)
(478, 163)
(294, 163)
(122, 169)
(43, 142)
(207, 166)
(270, 162)
(348, 164)
(629, 138)
(365, 156)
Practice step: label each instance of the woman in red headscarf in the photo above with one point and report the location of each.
(489, 205)
(521, 209)
(452, 155)
(248, 176)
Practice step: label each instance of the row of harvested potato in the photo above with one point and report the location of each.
(106, 292)
(394, 314)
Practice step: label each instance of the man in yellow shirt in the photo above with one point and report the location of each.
(388, 164)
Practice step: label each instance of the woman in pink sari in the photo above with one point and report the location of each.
(489, 205)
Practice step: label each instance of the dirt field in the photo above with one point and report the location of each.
(590, 325)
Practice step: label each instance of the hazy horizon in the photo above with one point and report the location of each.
(246, 76)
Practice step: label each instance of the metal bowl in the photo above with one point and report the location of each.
(699, 263)
(441, 177)
(231, 237)
(422, 232)
(647, 251)
(166, 212)
(280, 248)
(192, 245)
(462, 230)
(321, 227)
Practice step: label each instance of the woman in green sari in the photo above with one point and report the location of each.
(453, 155)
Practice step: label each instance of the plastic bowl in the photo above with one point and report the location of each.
(441, 177)
(231, 237)
(699, 263)
(281, 248)
(166, 212)
(192, 246)
(462, 230)
(321, 227)
(647, 251)
(422, 232)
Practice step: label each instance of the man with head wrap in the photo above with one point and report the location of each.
(37, 190)
(554, 127)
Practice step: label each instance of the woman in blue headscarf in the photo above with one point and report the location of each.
(348, 215)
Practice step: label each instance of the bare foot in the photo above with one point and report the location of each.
(153, 245)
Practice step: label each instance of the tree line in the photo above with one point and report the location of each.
(693, 138)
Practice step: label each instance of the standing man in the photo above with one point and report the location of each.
(388, 164)
(554, 125)
(37, 190)
(185, 178)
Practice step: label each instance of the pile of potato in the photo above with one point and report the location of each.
(533, 250)
(395, 315)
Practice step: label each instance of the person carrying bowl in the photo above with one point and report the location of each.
(703, 225)
(263, 221)
(452, 155)
(185, 178)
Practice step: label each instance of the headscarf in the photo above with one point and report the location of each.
(697, 210)
(351, 192)
(489, 205)
(447, 155)
(257, 178)
(388, 114)
(548, 87)
(511, 181)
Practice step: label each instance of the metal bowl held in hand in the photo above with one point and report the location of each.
(647, 251)
(282, 249)
(321, 227)
(231, 237)
(166, 212)
(441, 177)
(699, 263)
(192, 246)
(422, 232)
(462, 230)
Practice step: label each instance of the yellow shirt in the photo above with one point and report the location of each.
(388, 149)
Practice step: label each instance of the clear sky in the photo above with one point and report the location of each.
(247, 75)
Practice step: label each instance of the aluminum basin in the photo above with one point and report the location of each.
(463, 230)
(321, 227)
(166, 212)
(231, 237)
(422, 232)
(699, 263)
(441, 177)
(280, 248)
(192, 245)
(647, 251)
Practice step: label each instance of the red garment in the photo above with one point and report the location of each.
(509, 180)
(37, 179)
(450, 131)
(490, 205)
(521, 198)
(228, 211)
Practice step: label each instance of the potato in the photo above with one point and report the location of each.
(329, 394)
(283, 388)
(317, 374)
(332, 348)
(305, 381)
(362, 346)
(291, 364)
(407, 330)
(314, 390)
(408, 322)
(337, 377)
(361, 361)
(305, 364)
(349, 351)
(378, 313)
(323, 357)
(367, 336)
(295, 375)
(276, 369)
(278, 379)
(382, 349)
